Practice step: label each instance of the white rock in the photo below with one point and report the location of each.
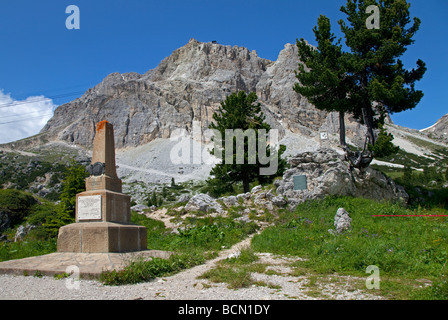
(342, 221)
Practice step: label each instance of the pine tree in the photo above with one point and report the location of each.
(408, 175)
(72, 184)
(369, 78)
(239, 111)
(322, 74)
(374, 59)
(384, 146)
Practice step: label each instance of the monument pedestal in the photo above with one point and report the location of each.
(101, 237)
(103, 214)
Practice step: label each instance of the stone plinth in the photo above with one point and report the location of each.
(115, 206)
(101, 237)
(103, 213)
(103, 182)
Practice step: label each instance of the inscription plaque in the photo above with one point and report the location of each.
(300, 182)
(89, 207)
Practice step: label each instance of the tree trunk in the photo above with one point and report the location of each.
(342, 129)
(367, 114)
(246, 185)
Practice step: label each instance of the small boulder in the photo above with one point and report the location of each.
(278, 201)
(183, 198)
(139, 207)
(342, 220)
(230, 201)
(22, 231)
(203, 202)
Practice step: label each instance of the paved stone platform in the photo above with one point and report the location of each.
(90, 264)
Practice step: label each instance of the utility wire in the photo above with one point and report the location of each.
(19, 120)
(12, 104)
(22, 114)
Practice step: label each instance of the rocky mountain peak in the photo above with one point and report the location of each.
(186, 86)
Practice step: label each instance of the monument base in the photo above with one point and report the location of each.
(115, 206)
(96, 237)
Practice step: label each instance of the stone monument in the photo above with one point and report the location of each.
(102, 212)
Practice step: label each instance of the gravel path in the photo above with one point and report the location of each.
(186, 286)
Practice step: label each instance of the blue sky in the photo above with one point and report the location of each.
(40, 57)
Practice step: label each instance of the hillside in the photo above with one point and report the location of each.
(438, 130)
(182, 93)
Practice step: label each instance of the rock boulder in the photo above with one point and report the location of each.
(328, 173)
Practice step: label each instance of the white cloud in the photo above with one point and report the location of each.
(24, 118)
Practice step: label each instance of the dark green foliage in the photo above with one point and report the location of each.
(374, 58)
(322, 75)
(17, 204)
(73, 183)
(408, 175)
(153, 200)
(371, 71)
(384, 146)
(240, 111)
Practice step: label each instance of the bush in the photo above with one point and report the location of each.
(383, 146)
(73, 183)
(17, 204)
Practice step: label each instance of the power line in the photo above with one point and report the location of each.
(20, 115)
(16, 103)
(19, 120)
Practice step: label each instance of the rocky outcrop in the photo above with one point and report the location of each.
(203, 202)
(439, 130)
(328, 173)
(187, 86)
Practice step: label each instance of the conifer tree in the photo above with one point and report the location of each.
(322, 75)
(240, 111)
(73, 183)
(369, 76)
(374, 61)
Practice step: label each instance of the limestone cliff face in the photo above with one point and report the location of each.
(188, 86)
(439, 129)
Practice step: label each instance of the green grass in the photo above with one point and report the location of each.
(236, 272)
(402, 247)
(25, 249)
(205, 233)
(200, 239)
(140, 270)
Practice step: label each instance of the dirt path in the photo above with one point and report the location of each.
(280, 283)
